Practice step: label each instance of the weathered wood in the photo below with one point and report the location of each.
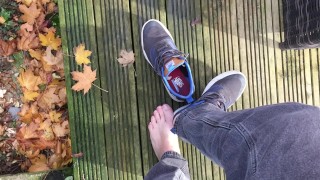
(111, 128)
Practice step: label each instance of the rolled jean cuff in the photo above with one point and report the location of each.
(171, 154)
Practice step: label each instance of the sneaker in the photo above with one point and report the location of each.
(167, 61)
(225, 89)
(222, 91)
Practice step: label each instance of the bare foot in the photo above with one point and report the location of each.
(162, 138)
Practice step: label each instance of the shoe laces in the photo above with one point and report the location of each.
(165, 55)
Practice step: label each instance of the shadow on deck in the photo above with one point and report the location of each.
(111, 128)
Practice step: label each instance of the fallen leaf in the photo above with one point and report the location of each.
(2, 129)
(39, 163)
(84, 79)
(29, 14)
(55, 116)
(26, 2)
(7, 48)
(28, 41)
(28, 80)
(25, 28)
(82, 55)
(55, 161)
(37, 54)
(77, 155)
(53, 60)
(2, 92)
(30, 95)
(2, 20)
(126, 58)
(29, 131)
(59, 129)
(50, 40)
(48, 99)
(45, 125)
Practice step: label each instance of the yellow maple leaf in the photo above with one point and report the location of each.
(28, 80)
(55, 116)
(126, 58)
(37, 54)
(26, 2)
(2, 20)
(29, 14)
(50, 40)
(82, 55)
(30, 95)
(84, 79)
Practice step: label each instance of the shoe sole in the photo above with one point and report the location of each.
(145, 54)
(223, 75)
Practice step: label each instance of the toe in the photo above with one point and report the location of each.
(160, 111)
(156, 115)
(150, 126)
(168, 113)
(153, 121)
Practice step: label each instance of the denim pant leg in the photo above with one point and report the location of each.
(171, 166)
(270, 142)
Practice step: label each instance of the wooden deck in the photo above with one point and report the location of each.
(111, 128)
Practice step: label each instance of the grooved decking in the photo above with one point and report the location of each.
(111, 128)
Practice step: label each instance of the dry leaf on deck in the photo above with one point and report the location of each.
(29, 14)
(50, 40)
(126, 58)
(82, 55)
(28, 80)
(84, 79)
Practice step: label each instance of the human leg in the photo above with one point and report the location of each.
(270, 142)
(171, 164)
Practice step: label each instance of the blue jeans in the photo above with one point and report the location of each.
(280, 141)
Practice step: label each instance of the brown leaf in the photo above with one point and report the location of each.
(28, 41)
(50, 59)
(29, 14)
(60, 130)
(7, 48)
(29, 131)
(48, 99)
(28, 80)
(84, 79)
(77, 155)
(126, 58)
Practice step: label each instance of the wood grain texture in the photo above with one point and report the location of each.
(111, 128)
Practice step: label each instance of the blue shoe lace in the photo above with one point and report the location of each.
(166, 55)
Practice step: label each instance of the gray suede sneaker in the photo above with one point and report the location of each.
(225, 89)
(167, 61)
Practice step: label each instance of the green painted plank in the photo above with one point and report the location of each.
(241, 35)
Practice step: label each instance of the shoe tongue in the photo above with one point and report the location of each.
(172, 65)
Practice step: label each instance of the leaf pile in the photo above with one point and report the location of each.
(44, 135)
